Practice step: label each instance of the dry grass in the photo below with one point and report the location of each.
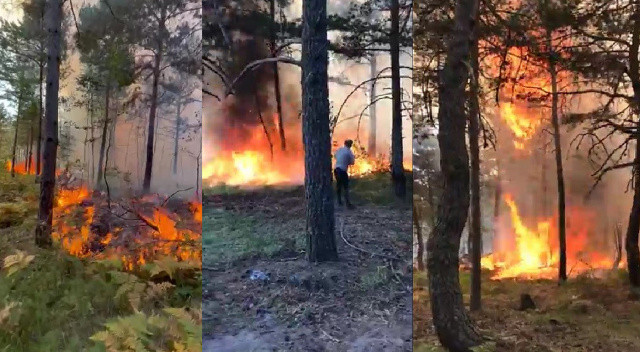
(585, 314)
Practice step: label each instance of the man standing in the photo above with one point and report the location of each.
(344, 158)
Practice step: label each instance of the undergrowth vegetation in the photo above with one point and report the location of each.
(584, 314)
(51, 301)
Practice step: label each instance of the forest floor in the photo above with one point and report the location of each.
(53, 301)
(261, 294)
(585, 314)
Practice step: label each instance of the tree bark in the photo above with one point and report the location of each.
(103, 139)
(420, 238)
(631, 238)
(453, 326)
(373, 123)
(276, 75)
(93, 139)
(29, 158)
(555, 121)
(40, 117)
(15, 138)
(320, 228)
(146, 185)
(48, 181)
(475, 228)
(397, 169)
(176, 137)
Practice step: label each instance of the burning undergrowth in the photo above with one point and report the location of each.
(256, 138)
(26, 167)
(136, 231)
(533, 251)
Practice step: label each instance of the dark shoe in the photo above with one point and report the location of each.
(350, 206)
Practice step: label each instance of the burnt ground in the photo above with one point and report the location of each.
(583, 315)
(360, 303)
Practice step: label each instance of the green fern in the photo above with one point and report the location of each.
(175, 329)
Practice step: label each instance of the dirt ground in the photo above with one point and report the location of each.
(260, 293)
(583, 315)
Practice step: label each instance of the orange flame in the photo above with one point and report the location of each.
(535, 254)
(256, 161)
(21, 167)
(165, 235)
(522, 125)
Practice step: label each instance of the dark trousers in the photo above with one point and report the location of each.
(342, 182)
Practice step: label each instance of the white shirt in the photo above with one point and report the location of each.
(344, 158)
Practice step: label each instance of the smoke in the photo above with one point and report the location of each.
(239, 111)
(529, 175)
(127, 141)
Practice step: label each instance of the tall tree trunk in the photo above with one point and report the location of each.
(420, 238)
(453, 326)
(29, 149)
(93, 139)
(631, 238)
(497, 198)
(320, 228)
(543, 180)
(397, 169)
(177, 137)
(103, 139)
(276, 74)
(40, 118)
(15, 138)
(146, 185)
(475, 228)
(48, 181)
(555, 121)
(373, 124)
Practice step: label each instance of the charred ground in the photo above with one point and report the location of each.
(360, 303)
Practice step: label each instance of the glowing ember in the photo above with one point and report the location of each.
(534, 253)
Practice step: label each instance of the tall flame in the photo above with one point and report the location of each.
(535, 252)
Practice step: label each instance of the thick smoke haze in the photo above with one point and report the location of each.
(240, 108)
(128, 146)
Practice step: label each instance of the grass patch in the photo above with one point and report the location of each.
(237, 236)
(378, 189)
(584, 314)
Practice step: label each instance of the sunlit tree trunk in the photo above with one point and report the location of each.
(320, 229)
(48, 177)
